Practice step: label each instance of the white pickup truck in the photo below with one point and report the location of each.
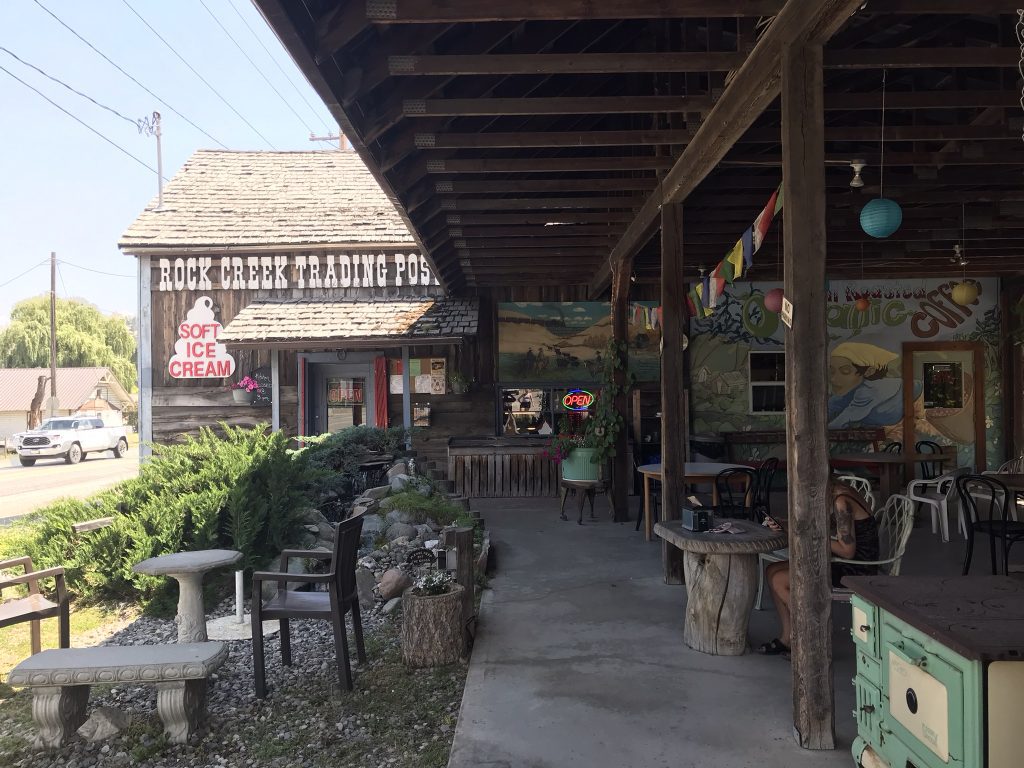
(69, 438)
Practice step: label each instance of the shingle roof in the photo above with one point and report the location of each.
(312, 321)
(225, 198)
(74, 386)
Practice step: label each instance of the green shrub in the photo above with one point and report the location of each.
(334, 459)
(421, 507)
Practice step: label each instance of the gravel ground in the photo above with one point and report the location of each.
(394, 717)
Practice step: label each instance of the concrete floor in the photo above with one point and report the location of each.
(579, 659)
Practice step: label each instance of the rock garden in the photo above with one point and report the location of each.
(404, 706)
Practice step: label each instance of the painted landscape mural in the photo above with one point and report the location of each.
(868, 323)
(564, 342)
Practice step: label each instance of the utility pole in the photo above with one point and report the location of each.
(150, 126)
(53, 333)
(342, 142)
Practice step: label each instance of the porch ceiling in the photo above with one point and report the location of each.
(520, 140)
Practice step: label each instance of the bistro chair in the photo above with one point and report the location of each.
(895, 522)
(1011, 467)
(732, 501)
(988, 503)
(894, 447)
(764, 477)
(35, 606)
(929, 469)
(339, 599)
(937, 494)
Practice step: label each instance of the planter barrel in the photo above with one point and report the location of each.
(579, 465)
(432, 628)
(241, 396)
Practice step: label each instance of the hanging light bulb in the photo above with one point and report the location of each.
(858, 165)
(966, 291)
(881, 217)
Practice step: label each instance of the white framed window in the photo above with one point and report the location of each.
(767, 381)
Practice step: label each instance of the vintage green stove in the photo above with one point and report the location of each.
(940, 671)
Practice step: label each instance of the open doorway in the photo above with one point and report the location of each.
(944, 397)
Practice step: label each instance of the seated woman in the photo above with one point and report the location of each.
(854, 537)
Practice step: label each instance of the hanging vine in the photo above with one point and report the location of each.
(605, 421)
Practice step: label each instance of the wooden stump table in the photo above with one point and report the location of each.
(721, 582)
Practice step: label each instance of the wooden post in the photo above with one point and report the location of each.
(462, 540)
(619, 495)
(145, 360)
(803, 173)
(275, 390)
(674, 421)
(406, 399)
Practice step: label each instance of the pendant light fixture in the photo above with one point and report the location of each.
(881, 217)
(966, 291)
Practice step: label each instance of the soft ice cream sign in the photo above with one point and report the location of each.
(197, 353)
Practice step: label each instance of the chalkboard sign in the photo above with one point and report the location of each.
(263, 396)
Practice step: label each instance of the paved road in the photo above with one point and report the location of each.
(23, 489)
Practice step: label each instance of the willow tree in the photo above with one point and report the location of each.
(85, 338)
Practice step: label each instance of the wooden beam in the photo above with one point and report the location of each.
(562, 63)
(428, 11)
(918, 58)
(752, 89)
(337, 28)
(674, 383)
(549, 164)
(508, 186)
(595, 242)
(533, 231)
(937, 99)
(810, 507)
(521, 139)
(531, 253)
(581, 105)
(621, 470)
(538, 217)
(538, 203)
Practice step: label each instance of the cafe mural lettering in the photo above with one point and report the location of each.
(197, 353)
(301, 271)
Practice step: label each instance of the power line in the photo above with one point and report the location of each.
(205, 82)
(97, 271)
(119, 69)
(17, 277)
(111, 142)
(280, 69)
(254, 65)
(62, 285)
(61, 82)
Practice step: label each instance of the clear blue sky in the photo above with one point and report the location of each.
(64, 189)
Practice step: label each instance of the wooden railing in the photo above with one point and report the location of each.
(501, 468)
(874, 437)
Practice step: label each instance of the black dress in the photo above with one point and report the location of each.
(867, 547)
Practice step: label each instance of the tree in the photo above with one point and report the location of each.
(85, 337)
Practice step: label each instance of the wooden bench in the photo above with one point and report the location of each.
(874, 437)
(60, 681)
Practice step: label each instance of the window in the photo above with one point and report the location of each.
(767, 382)
(534, 411)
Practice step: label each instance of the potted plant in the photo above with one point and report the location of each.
(432, 621)
(459, 382)
(575, 447)
(244, 390)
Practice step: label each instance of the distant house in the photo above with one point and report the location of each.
(95, 391)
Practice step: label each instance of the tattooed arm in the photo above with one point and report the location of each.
(845, 543)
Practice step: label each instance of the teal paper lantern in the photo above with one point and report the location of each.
(881, 217)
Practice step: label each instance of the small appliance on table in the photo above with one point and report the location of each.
(940, 671)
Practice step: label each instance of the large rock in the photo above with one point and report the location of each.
(104, 723)
(364, 587)
(424, 532)
(398, 516)
(373, 524)
(311, 516)
(295, 565)
(377, 493)
(398, 468)
(325, 531)
(393, 583)
(399, 483)
(399, 530)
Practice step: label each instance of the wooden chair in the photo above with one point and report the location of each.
(340, 598)
(35, 606)
(895, 522)
(988, 503)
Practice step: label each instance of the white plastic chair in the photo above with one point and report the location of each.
(937, 494)
(895, 523)
(862, 486)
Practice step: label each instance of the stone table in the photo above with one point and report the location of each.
(721, 581)
(188, 569)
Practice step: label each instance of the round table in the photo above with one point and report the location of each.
(721, 582)
(188, 568)
(696, 471)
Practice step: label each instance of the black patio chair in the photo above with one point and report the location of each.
(929, 469)
(339, 599)
(986, 503)
(732, 494)
(893, 447)
(764, 477)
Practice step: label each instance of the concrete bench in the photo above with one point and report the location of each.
(60, 681)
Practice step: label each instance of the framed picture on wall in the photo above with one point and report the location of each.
(943, 385)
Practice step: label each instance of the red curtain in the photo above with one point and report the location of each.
(380, 391)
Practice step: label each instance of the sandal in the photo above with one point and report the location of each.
(774, 648)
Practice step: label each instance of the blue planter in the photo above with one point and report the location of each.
(579, 465)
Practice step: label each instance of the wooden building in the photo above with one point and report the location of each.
(590, 151)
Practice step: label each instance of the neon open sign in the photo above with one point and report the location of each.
(577, 400)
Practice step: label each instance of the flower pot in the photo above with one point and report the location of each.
(432, 628)
(241, 396)
(579, 465)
